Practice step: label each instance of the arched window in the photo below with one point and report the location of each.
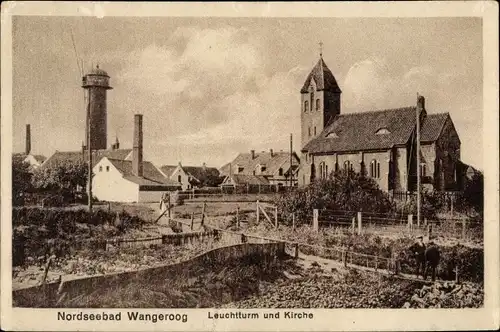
(317, 104)
(309, 129)
(314, 130)
(323, 170)
(347, 165)
(311, 91)
(280, 171)
(306, 106)
(423, 170)
(375, 169)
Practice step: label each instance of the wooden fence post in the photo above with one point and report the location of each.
(296, 250)
(169, 207)
(46, 271)
(109, 207)
(359, 222)
(410, 222)
(192, 220)
(238, 217)
(276, 217)
(464, 227)
(315, 220)
(376, 263)
(203, 213)
(257, 210)
(353, 224)
(293, 221)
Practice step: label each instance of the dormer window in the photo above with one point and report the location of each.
(382, 131)
(332, 135)
(317, 105)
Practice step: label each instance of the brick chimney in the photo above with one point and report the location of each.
(137, 151)
(421, 103)
(271, 152)
(28, 139)
(253, 153)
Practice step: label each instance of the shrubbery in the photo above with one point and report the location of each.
(60, 232)
(343, 191)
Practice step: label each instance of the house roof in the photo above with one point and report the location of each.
(201, 173)
(151, 175)
(272, 163)
(60, 157)
(244, 179)
(39, 158)
(432, 126)
(168, 170)
(323, 77)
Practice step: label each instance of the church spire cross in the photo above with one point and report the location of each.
(321, 49)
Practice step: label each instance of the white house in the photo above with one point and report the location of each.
(192, 176)
(118, 180)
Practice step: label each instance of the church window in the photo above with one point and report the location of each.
(314, 130)
(423, 170)
(383, 131)
(309, 129)
(179, 178)
(323, 170)
(347, 165)
(317, 104)
(280, 171)
(375, 169)
(306, 106)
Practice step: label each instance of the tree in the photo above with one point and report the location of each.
(68, 175)
(342, 191)
(471, 199)
(21, 180)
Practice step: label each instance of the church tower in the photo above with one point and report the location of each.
(97, 83)
(320, 101)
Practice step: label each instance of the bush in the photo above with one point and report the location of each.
(471, 199)
(59, 232)
(343, 191)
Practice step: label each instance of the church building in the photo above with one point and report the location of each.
(380, 143)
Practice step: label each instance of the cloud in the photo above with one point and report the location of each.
(209, 86)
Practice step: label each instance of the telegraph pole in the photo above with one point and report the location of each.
(89, 152)
(418, 159)
(291, 161)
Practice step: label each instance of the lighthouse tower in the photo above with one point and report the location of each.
(96, 82)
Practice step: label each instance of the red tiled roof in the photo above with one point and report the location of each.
(432, 126)
(60, 157)
(151, 175)
(272, 164)
(323, 77)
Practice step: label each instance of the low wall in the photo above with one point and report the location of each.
(49, 293)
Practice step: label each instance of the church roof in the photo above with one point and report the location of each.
(98, 71)
(374, 130)
(168, 170)
(323, 77)
(432, 127)
(151, 175)
(60, 157)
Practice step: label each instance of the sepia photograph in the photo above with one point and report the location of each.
(241, 162)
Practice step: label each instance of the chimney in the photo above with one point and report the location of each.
(28, 139)
(272, 152)
(253, 153)
(204, 166)
(421, 103)
(137, 152)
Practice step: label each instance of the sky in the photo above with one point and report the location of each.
(210, 88)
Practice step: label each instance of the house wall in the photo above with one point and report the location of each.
(184, 178)
(383, 158)
(429, 159)
(150, 196)
(111, 186)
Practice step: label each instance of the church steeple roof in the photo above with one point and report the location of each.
(323, 77)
